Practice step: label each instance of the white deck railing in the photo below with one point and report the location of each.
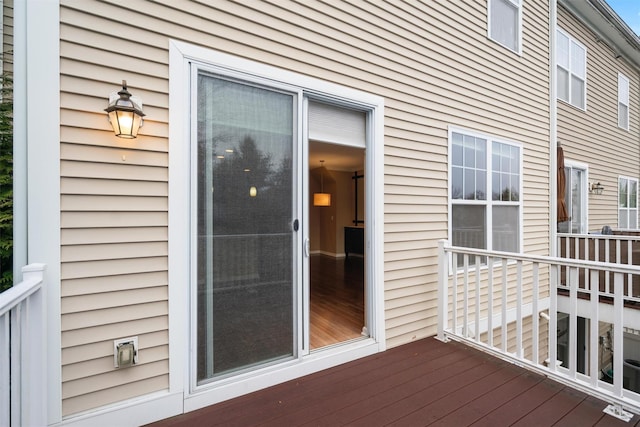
(23, 351)
(506, 304)
(617, 249)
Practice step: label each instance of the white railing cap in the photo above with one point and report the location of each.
(18, 293)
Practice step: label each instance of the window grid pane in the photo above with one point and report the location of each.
(577, 60)
(504, 23)
(505, 228)
(628, 203)
(563, 84)
(622, 193)
(577, 91)
(469, 179)
(623, 116)
(623, 102)
(633, 218)
(506, 159)
(571, 60)
(562, 51)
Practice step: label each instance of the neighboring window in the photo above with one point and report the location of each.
(627, 203)
(575, 198)
(505, 22)
(571, 60)
(485, 192)
(623, 102)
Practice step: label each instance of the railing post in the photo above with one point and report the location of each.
(594, 324)
(23, 383)
(618, 336)
(443, 291)
(554, 272)
(34, 390)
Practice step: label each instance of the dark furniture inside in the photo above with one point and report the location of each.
(353, 240)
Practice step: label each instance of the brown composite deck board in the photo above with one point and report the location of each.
(553, 410)
(410, 404)
(340, 387)
(422, 383)
(521, 405)
(407, 385)
(589, 412)
(356, 386)
(460, 397)
(490, 401)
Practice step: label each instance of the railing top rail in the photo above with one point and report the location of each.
(18, 293)
(624, 237)
(543, 259)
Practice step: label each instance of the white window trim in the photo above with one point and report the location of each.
(518, 4)
(622, 79)
(584, 208)
(488, 202)
(637, 208)
(181, 55)
(586, 53)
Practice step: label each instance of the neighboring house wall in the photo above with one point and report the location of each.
(593, 136)
(433, 64)
(7, 37)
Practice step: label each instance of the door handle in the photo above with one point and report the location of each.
(306, 247)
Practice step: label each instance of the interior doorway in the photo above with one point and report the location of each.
(337, 251)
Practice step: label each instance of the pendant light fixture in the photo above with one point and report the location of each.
(322, 198)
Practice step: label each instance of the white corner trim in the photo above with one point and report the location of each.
(37, 134)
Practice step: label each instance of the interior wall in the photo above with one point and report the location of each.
(345, 206)
(326, 224)
(322, 219)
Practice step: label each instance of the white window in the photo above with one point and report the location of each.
(485, 192)
(505, 23)
(575, 198)
(571, 60)
(627, 202)
(623, 102)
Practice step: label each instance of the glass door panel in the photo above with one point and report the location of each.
(577, 196)
(245, 260)
(575, 200)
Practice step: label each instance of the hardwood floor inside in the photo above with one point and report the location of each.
(337, 300)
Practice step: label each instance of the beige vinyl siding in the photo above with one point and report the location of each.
(433, 64)
(593, 136)
(113, 220)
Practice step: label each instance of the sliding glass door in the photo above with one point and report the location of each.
(245, 261)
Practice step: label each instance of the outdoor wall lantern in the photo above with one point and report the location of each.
(125, 113)
(596, 188)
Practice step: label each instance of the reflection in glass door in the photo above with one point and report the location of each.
(575, 199)
(245, 259)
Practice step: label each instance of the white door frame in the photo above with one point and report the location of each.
(181, 56)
